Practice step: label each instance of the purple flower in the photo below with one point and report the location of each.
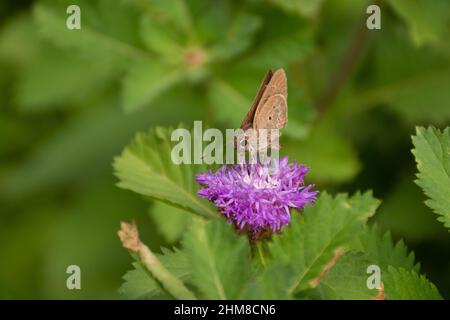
(256, 198)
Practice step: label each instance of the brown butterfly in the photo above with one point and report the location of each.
(269, 108)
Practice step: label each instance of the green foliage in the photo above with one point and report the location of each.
(428, 22)
(271, 284)
(139, 285)
(309, 243)
(382, 249)
(432, 152)
(347, 279)
(145, 167)
(335, 161)
(102, 37)
(401, 284)
(219, 259)
(142, 75)
(171, 221)
(71, 99)
(409, 80)
(302, 7)
(216, 261)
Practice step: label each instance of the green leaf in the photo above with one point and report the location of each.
(281, 51)
(170, 221)
(239, 37)
(146, 167)
(58, 79)
(173, 13)
(347, 279)
(271, 284)
(427, 20)
(145, 80)
(107, 29)
(162, 39)
(382, 250)
(301, 7)
(432, 152)
(219, 259)
(400, 284)
(290, 40)
(309, 243)
(139, 284)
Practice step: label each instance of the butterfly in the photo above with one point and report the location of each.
(268, 110)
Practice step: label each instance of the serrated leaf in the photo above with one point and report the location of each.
(400, 284)
(347, 279)
(145, 80)
(146, 167)
(428, 20)
(139, 284)
(382, 250)
(170, 221)
(219, 259)
(432, 152)
(309, 243)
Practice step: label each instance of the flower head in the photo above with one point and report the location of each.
(256, 198)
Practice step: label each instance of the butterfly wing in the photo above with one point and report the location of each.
(247, 123)
(269, 108)
(271, 112)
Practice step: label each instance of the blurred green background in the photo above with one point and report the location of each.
(70, 100)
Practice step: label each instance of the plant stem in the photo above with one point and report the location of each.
(261, 253)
